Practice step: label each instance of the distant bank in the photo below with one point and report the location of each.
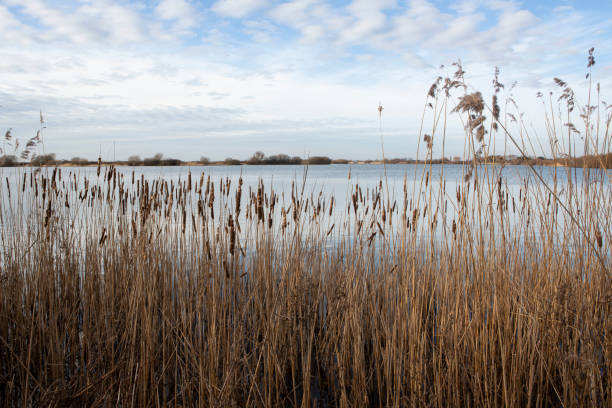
(594, 161)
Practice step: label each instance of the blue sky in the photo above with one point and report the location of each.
(304, 77)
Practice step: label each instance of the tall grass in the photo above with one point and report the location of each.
(121, 291)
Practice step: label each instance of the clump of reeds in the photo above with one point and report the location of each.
(118, 290)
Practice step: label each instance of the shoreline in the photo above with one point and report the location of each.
(357, 163)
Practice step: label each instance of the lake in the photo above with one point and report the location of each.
(410, 187)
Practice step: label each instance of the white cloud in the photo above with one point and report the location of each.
(12, 31)
(466, 6)
(261, 31)
(121, 70)
(237, 8)
(179, 10)
(102, 21)
(367, 18)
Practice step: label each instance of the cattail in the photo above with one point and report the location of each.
(48, 213)
(371, 238)
(232, 231)
(468, 175)
(283, 219)
(599, 238)
(211, 194)
(103, 237)
(238, 197)
(260, 201)
(207, 247)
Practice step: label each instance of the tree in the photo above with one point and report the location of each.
(204, 160)
(134, 160)
(257, 157)
(153, 161)
(43, 159)
(319, 160)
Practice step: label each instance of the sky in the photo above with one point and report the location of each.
(226, 78)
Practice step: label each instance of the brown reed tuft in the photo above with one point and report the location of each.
(109, 297)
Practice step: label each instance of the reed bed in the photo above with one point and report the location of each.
(116, 290)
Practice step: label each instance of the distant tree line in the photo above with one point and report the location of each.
(259, 158)
(599, 161)
(319, 160)
(156, 160)
(41, 160)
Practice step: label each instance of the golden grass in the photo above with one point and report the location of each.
(121, 291)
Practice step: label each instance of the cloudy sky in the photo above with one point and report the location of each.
(223, 78)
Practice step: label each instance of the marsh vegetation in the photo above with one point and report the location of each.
(116, 290)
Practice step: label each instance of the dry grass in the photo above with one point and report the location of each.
(119, 291)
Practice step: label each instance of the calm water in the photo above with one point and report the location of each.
(338, 178)
(340, 181)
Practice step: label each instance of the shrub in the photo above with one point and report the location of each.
(282, 159)
(319, 160)
(8, 161)
(78, 160)
(134, 160)
(171, 162)
(43, 160)
(232, 162)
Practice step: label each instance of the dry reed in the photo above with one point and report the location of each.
(123, 291)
